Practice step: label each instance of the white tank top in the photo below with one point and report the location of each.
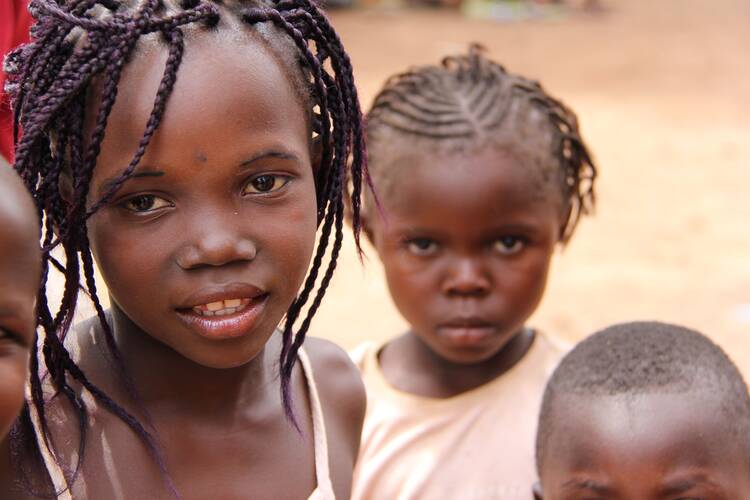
(323, 490)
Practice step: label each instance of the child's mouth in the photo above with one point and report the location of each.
(231, 316)
(467, 333)
(221, 307)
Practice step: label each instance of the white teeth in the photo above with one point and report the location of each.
(224, 312)
(215, 306)
(221, 307)
(232, 303)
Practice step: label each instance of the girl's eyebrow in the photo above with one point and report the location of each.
(588, 484)
(269, 153)
(108, 183)
(683, 485)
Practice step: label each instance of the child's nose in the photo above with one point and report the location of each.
(466, 278)
(216, 248)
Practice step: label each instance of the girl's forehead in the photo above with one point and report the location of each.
(223, 67)
(217, 87)
(490, 169)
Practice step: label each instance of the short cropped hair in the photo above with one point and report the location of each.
(647, 357)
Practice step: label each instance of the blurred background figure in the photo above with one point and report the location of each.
(661, 92)
(502, 10)
(15, 21)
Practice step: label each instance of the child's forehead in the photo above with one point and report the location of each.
(640, 446)
(18, 215)
(19, 247)
(650, 426)
(231, 44)
(248, 79)
(490, 172)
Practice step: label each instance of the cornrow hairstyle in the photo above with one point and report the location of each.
(81, 46)
(643, 358)
(469, 101)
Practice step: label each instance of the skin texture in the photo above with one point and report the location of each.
(19, 282)
(466, 243)
(196, 219)
(643, 447)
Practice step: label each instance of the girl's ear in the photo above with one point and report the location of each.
(567, 211)
(366, 225)
(66, 187)
(316, 153)
(537, 490)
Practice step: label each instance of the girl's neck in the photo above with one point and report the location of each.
(411, 366)
(168, 383)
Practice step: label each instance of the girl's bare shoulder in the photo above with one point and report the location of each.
(342, 392)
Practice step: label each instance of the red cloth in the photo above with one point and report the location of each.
(15, 21)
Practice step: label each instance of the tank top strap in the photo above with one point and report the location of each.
(324, 489)
(54, 471)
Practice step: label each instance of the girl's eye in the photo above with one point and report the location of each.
(509, 245)
(6, 335)
(145, 203)
(266, 183)
(422, 246)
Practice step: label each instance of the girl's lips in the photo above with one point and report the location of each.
(466, 333)
(224, 319)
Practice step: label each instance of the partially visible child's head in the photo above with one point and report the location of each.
(644, 411)
(479, 173)
(19, 284)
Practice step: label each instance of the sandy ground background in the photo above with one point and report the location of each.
(661, 89)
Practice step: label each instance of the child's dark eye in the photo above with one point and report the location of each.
(6, 335)
(509, 245)
(145, 203)
(422, 246)
(266, 183)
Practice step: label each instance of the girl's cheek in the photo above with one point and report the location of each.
(13, 374)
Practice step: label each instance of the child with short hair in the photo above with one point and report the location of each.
(645, 411)
(480, 175)
(191, 149)
(19, 282)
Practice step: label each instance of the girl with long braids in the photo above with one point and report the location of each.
(192, 150)
(481, 175)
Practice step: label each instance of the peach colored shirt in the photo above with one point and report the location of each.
(476, 445)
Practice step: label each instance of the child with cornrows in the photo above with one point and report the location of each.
(191, 150)
(480, 176)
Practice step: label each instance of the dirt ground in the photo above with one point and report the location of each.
(661, 89)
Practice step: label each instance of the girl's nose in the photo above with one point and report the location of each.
(467, 278)
(216, 249)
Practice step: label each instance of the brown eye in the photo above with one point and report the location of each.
(509, 245)
(144, 203)
(266, 183)
(422, 246)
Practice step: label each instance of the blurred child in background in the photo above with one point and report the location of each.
(481, 175)
(645, 411)
(20, 264)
